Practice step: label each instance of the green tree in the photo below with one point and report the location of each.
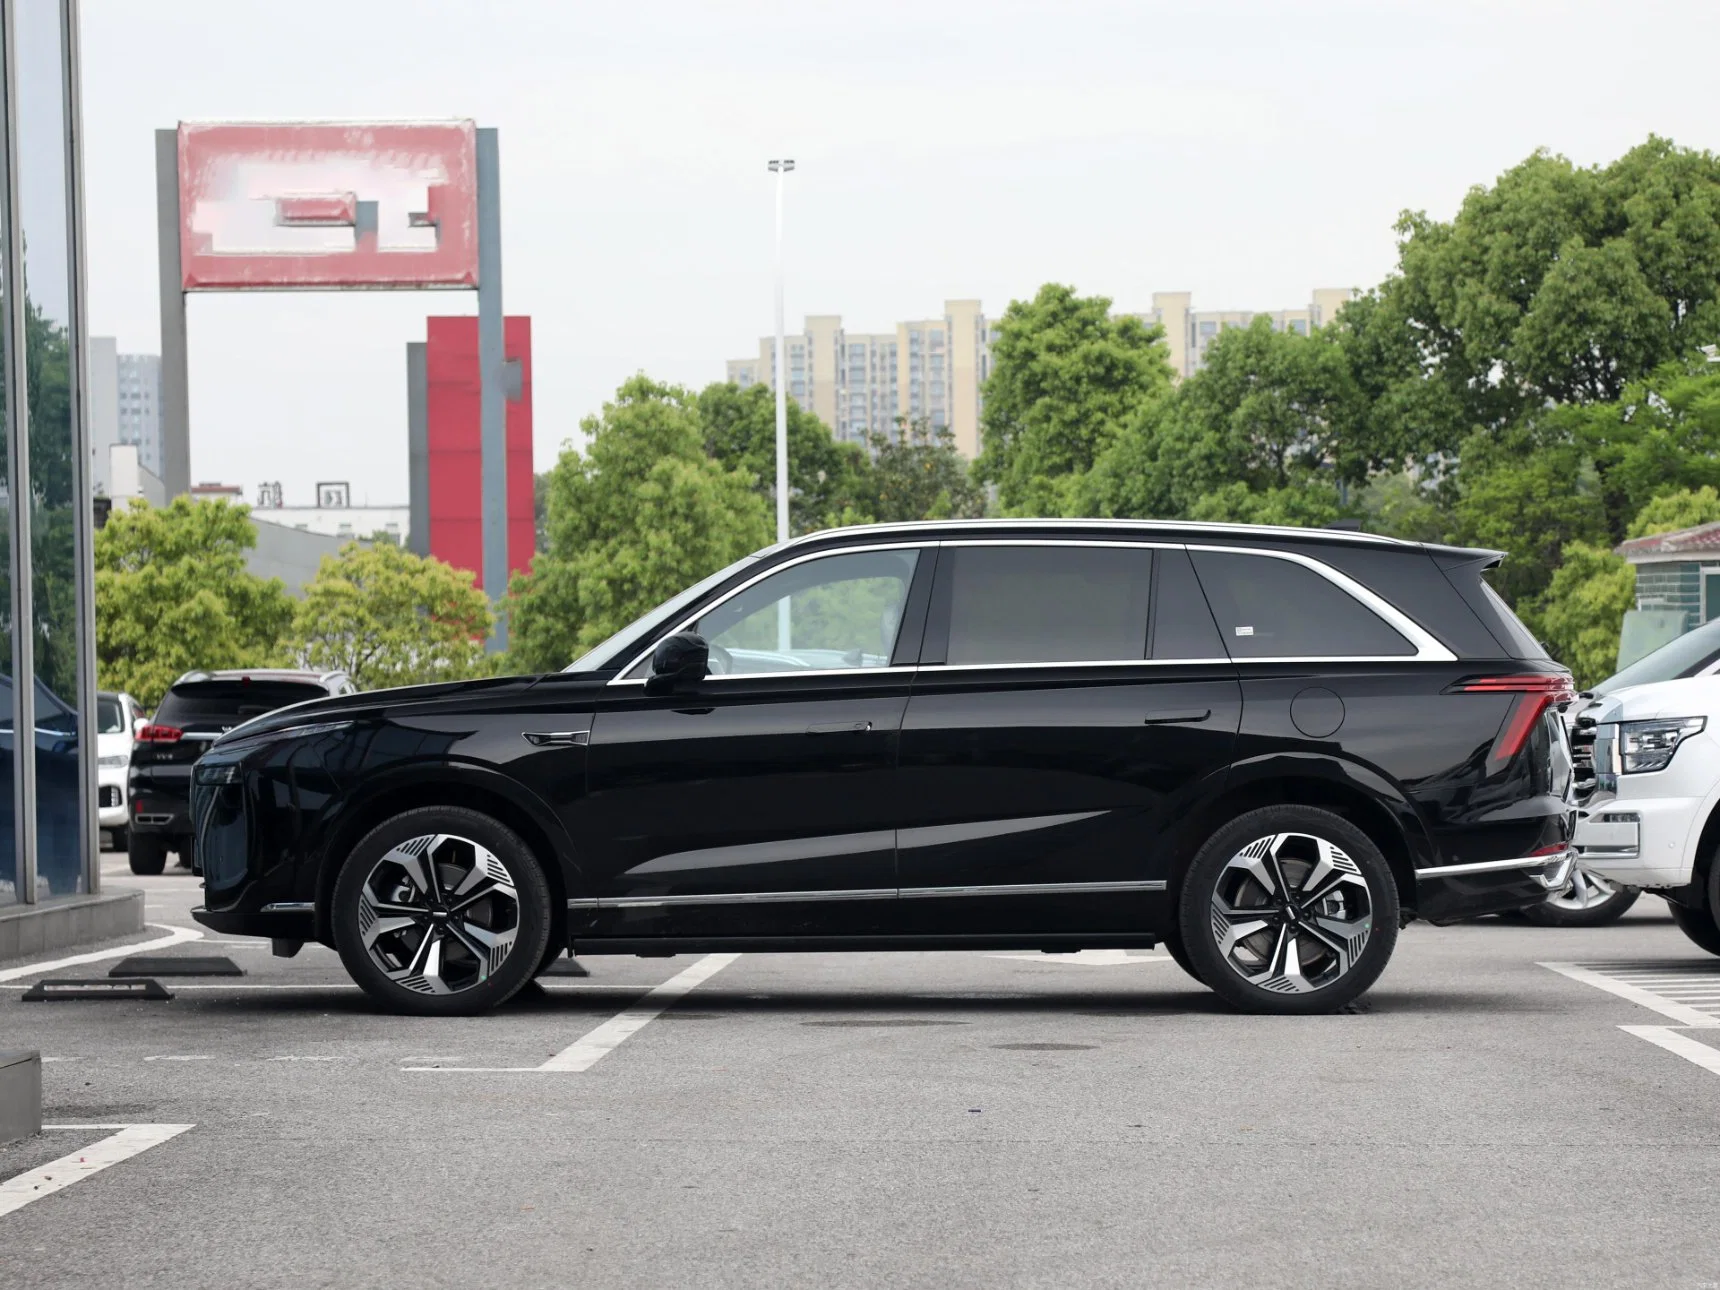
(1066, 378)
(1578, 615)
(173, 594)
(388, 617)
(917, 474)
(1669, 512)
(642, 513)
(826, 480)
(1561, 284)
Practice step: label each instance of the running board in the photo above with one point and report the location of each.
(1053, 943)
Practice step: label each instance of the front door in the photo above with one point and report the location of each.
(764, 802)
(1049, 745)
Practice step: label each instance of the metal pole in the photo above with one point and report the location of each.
(175, 379)
(784, 632)
(492, 393)
(417, 448)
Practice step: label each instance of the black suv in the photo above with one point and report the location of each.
(1266, 749)
(198, 709)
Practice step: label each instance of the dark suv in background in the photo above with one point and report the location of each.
(198, 709)
(1264, 748)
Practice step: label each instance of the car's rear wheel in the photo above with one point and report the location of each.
(1697, 924)
(1588, 901)
(441, 911)
(1289, 910)
(120, 839)
(146, 854)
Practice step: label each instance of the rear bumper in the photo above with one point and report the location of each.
(288, 922)
(1449, 893)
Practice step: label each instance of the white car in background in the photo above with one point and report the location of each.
(118, 719)
(1648, 789)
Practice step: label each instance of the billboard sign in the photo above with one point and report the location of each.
(328, 206)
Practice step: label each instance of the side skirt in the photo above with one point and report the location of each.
(1054, 943)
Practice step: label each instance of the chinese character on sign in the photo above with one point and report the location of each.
(334, 497)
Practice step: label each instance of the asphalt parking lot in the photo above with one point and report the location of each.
(919, 1119)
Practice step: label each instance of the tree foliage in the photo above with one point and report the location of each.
(827, 480)
(1578, 615)
(917, 474)
(1066, 378)
(388, 617)
(637, 516)
(173, 594)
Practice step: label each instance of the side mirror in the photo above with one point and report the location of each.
(679, 662)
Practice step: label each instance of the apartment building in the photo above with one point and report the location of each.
(936, 368)
(1188, 331)
(857, 382)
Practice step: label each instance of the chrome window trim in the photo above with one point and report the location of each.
(621, 677)
(291, 907)
(1428, 649)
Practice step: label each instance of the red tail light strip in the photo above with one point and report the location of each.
(1540, 691)
(160, 735)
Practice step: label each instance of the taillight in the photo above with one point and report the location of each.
(160, 735)
(1538, 690)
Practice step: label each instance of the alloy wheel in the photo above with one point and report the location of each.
(1291, 913)
(1585, 891)
(438, 914)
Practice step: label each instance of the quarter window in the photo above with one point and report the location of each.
(1272, 608)
(1047, 604)
(840, 611)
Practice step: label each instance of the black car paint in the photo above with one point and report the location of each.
(855, 784)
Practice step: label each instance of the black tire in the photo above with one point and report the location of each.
(147, 855)
(120, 839)
(1172, 940)
(1324, 861)
(1586, 903)
(1697, 924)
(462, 982)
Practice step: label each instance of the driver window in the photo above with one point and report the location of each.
(841, 611)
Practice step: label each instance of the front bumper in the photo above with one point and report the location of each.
(1639, 841)
(1449, 893)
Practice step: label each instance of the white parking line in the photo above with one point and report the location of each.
(27, 1188)
(593, 1046)
(175, 936)
(1683, 1014)
(1692, 1050)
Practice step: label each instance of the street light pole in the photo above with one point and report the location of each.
(784, 634)
(780, 169)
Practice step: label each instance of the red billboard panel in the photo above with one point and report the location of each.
(455, 459)
(328, 205)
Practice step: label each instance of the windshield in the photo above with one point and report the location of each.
(110, 716)
(1684, 655)
(595, 660)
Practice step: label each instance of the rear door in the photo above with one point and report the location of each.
(1073, 700)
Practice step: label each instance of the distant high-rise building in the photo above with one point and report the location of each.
(936, 368)
(856, 382)
(124, 408)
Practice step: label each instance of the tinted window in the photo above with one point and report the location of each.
(1682, 656)
(1047, 604)
(1521, 640)
(110, 716)
(1272, 608)
(1182, 622)
(841, 611)
(201, 704)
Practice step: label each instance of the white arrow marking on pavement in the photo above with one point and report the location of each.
(15, 1193)
(175, 936)
(1088, 958)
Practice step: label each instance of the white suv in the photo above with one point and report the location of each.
(1648, 785)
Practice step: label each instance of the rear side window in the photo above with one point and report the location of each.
(1046, 604)
(1518, 638)
(201, 704)
(1272, 608)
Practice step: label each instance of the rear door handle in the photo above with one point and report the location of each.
(1188, 717)
(839, 728)
(557, 738)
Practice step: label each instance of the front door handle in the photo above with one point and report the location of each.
(1188, 717)
(839, 728)
(557, 738)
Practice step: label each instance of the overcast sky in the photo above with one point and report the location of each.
(946, 148)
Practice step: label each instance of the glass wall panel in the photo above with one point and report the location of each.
(9, 871)
(48, 284)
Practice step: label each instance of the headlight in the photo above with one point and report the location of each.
(114, 760)
(1648, 745)
(225, 772)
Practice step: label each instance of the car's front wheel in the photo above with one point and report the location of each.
(441, 911)
(1588, 900)
(1697, 924)
(146, 854)
(1290, 910)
